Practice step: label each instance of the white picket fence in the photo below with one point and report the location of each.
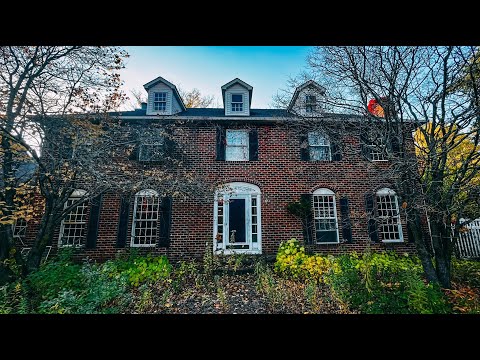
(468, 244)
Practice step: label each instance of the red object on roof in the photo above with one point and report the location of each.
(375, 109)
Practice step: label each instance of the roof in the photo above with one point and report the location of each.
(169, 84)
(237, 81)
(208, 112)
(309, 83)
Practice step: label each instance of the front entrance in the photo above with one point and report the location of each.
(237, 225)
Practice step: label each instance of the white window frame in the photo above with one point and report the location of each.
(322, 193)
(328, 144)
(246, 147)
(238, 104)
(310, 106)
(19, 229)
(76, 194)
(237, 190)
(157, 101)
(138, 195)
(382, 193)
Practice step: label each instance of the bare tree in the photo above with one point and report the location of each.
(139, 97)
(194, 99)
(431, 90)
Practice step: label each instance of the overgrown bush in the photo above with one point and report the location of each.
(293, 262)
(386, 283)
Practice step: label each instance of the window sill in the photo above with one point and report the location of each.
(237, 251)
(392, 241)
(71, 246)
(378, 160)
(326, 243)
(142, 245)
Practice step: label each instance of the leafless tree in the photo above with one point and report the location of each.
(194, 99)
(430, 90)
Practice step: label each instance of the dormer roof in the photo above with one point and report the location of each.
(170, 85)
(242, 83)
(298, 90)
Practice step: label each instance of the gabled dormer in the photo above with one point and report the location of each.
(237, 97)
(163, 98)
(308, 99)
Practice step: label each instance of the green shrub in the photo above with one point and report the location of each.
(385, 283)
(293, 262)
(466, 272)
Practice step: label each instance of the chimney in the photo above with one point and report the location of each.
(143, 105)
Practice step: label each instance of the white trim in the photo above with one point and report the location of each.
(76, 194)
(246, 146)
(319, 133)
(389, 192)
(325, 192)
(144, 193)
(237, 190)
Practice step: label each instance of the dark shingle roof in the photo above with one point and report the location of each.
(209, 112)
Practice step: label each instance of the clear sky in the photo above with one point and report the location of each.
(207, 68)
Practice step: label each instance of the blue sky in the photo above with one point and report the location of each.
(207, 68)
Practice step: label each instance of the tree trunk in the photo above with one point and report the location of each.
(44, 235)
(440, 237)
(422, 251)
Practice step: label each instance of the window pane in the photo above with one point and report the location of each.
(388, 217)
(236, 153)
(327, 236)
(160, 96)
(320, 153)
(317, 138)
(311, 99)
(237, 137)
(237, 98)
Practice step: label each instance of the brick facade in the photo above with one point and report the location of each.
(281, 176)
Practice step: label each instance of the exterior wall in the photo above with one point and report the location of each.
(237, 89)
(173, 106)
(281, 176)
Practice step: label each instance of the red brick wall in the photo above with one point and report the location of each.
(281, 176)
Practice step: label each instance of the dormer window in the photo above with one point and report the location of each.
(310, 103)
(160, 101)
(237, 103)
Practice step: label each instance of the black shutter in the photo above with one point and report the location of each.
(169, 146)
(253, 145)
(93, 221)
(336, 152)
(346, 224)
(372, 223)
(221, 143)
(364, 149)
(123, 222)
(165, 221)
(395, 145)
(134, 154)
(304, 153)
(411, 238)
(308, 223)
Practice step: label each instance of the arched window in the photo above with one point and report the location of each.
(73, 226)
(319, 146)
(325, 216)
(388, 216)
(237, 219)
(145, 219)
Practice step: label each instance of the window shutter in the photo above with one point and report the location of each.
(304, 153)
(308, 223)
(253, 145)
(372, 223)
(165, 221)
(221, 143)
(93, 221)
(336, 152)
(395, 145)
(346, 224)
(364, 149)
(123, 222)
(134, 154)
(169, 146)
(411, 238)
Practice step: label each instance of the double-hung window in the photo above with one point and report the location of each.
(237, 103)
(236, 148)
(325, 217)
(310, 103)
(160, 101)
(73, 226)
(152, 150)
(388, 216)
(145, 219)
(319, 146)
